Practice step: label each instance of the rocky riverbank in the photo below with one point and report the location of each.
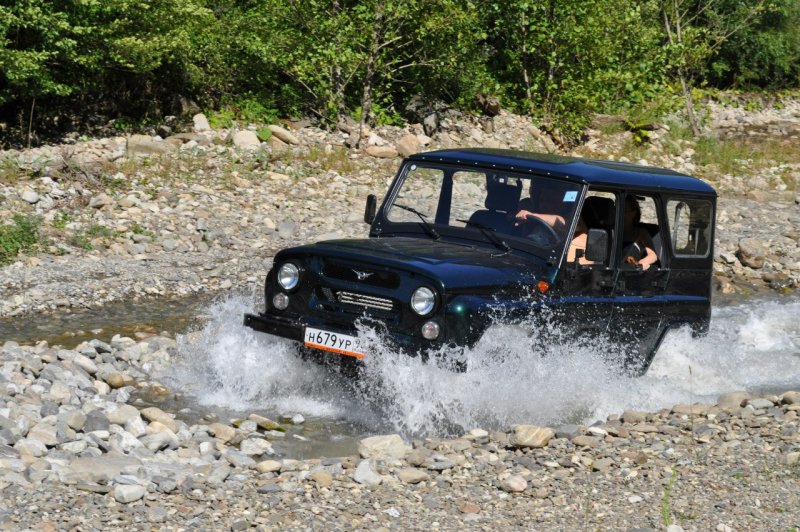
(127, 218)
(80, 450)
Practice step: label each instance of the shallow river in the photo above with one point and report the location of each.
(230, 371)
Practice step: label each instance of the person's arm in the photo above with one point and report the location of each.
(644, 240)
(550, 219)
(579, 242)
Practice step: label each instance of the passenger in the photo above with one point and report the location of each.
(545, 207)
(638, 248)
(579, 240)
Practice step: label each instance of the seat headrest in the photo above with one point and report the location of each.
(598, 212)
(502, 193)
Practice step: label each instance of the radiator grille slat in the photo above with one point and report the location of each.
(364, 300)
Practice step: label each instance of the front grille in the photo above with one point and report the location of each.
(363, 300)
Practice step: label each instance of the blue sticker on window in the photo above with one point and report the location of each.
(570, 196)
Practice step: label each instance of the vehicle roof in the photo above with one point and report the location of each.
(589, 171)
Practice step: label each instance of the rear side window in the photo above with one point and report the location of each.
(690, 226)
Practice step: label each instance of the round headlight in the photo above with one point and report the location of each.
(280, 301)
(430, 330)
(423, 300)
(288, 276)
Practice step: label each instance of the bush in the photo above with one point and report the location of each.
(22, 236)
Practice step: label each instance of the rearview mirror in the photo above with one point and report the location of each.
(369, 210)
(597, 245)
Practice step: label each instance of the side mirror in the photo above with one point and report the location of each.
(597, 245)
(369, 210)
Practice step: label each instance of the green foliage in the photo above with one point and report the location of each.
(254, 62)
(61, 220)
(19, 237)
(264, 134)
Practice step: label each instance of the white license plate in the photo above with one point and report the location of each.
(343, 344)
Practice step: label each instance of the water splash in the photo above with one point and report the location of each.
(514, 376)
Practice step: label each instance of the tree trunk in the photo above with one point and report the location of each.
(688, 102)
(366, 93)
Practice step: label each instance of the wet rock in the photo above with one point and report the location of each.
(732, 400)
(156, 414)
(391, 447)
(530, 436)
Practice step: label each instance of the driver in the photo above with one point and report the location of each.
(544, 207)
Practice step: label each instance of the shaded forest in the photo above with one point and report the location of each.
(72, 63)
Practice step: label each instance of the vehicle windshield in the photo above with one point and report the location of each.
(504, 209)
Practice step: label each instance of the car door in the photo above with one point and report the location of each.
(637, 319)
(589, 288)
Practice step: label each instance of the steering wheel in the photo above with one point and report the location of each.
(541, 232)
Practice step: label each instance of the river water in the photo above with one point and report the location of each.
(752, 346)
(227, 370)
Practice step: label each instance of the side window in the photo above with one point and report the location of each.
(690, 226)
(641, 231)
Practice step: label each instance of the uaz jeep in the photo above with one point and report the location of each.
(465, 238)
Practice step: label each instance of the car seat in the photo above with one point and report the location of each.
(598, 213)
(502, 199)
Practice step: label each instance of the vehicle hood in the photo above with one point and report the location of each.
(455, 265)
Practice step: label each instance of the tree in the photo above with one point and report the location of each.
(694, 31)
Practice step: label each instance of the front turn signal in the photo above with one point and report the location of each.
(543, 286)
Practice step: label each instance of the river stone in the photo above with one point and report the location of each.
(584, 441)
(691, 410)
(85, 363)
(752, 252)
(322, 477)
(222, 432)
(76, 420)
(530, 436)
(268, 466)
(790, 459)
(144, 146)
(95, 420)
(122, 414)
(760, 403)
(255, 447)
(732, 400)
(408, 145)
(791, 398)
(31, 446)
(391, 447)
(100, 468)
(365, 474)
(156, 414)
(283, 134)
(246, 139)
(634, 416)
(30, 196)
(514, 484)
(382, 152)
(45, 433)
(200, 122)
(115, 380)
(265, 423)
(412, 475)
(127, 493)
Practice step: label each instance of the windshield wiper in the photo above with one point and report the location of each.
(489, 232)
(425, 223)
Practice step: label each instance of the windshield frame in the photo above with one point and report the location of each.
(383, 225)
